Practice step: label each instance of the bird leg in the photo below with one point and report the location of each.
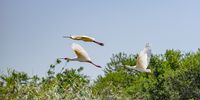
(99, 43)
(94, 64)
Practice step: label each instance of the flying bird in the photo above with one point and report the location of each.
(84, 38)
(142, 60)
(82, 55)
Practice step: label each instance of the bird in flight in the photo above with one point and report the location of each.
(142, 60)
(82, 55)
(84, 38)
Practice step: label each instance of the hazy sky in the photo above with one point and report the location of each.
(31, 31)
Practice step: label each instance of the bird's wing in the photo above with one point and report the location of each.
(143, 58)
(76, 37)
(148, 55)
(147, 50)
(141, 61)
(80, 52)
(83, 37)
(87, 38)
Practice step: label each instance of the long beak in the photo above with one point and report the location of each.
(66, 36)
(60, 58)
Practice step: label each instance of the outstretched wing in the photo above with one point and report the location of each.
(141, 61)
(147, 50)
(87, 38)
(143, 58)
(83, 37)
(76, 37)
(80, 52)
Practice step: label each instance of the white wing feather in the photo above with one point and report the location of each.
(80, 52)
(88, 37)
(82, 36)
(144, 57)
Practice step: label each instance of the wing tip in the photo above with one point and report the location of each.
(147, 45)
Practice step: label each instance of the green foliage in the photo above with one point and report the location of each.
(174, 76)
(68, 84)
(113, 84)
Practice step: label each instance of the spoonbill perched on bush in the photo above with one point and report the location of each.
(81, 54)
(143, 60)
(84, 38)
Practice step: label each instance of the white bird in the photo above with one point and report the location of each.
(84, 38)
(81, 54)
(143, 60)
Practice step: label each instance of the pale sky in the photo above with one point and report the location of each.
(31, 31)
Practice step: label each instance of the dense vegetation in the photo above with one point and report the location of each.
(174, 76)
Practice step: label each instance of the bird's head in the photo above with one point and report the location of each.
(67, 59)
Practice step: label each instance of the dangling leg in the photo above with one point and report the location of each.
(99, 43)
(94, 64)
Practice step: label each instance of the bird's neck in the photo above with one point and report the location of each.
(72, 59)
(148, 70)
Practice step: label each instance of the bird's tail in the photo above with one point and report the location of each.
(99, 43)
